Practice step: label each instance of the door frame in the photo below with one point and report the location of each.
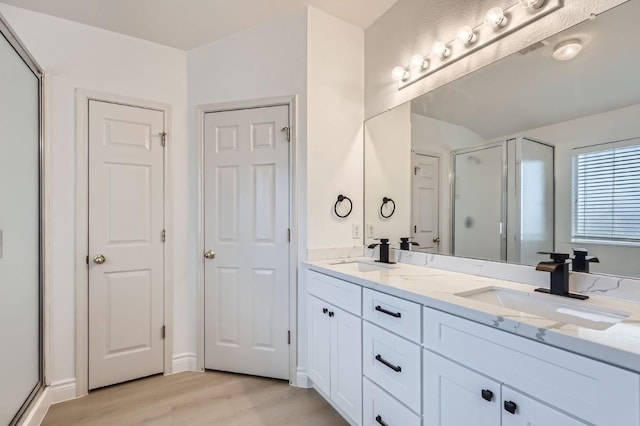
(82, 229)
(438, 156)
(201, 110)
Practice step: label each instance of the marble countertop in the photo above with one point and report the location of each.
(617, 345)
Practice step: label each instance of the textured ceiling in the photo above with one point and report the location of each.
(186, 24)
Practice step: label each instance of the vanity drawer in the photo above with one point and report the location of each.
(381, 408)
(397, 315)
(590, 390)
(393, 363)
(335, 291)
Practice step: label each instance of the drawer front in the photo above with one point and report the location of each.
(393, 363)
(397, 315)
(337, 292)
(588, 389)
(381, 409)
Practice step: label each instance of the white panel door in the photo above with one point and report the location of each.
(456, 396)
(126, 254)
(246, 194)
(425, 199)
(529, 412)
(346, 363)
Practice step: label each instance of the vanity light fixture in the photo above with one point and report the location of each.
(567, 50)
(466, 35)
(400, 74)
(440, 50)
(418, 62)
(496, 17)
(533, 4)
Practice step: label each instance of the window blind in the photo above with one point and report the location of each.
(606, 194)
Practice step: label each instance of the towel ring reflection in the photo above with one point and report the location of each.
(386, 200)
(342, 198)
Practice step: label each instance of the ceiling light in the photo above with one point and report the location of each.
(567, 50)
(533, 4)
(418, 62)
(496, 17)
(399, 74)
(440, 50)
(466, 35)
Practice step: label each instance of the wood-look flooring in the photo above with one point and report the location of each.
(210, 398)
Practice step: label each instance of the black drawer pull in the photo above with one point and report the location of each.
(510, 407)
(487, 395)
(380, 421)
(384, 311)
(325, 310)
(331, 314)
(395, 368)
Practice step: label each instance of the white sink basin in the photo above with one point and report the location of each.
(361, 266)
(556, 308)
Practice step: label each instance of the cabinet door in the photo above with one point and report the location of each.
(346, 363)
(455, 396)
(528, 412)
(319, 343)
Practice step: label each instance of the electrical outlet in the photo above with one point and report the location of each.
(355, 231)
(369, 231)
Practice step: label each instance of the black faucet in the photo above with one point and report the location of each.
(559, 269)
(581, 261)
(405, 244)
(384, 250)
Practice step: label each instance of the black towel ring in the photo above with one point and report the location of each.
(341, 198)
(386, 200)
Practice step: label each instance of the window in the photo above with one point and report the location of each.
(606, 194)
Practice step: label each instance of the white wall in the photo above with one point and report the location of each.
(78, 56)
(611, 126)
(412, 26)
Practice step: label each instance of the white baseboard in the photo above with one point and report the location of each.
(63, 390)
(184, 362)
(302, 380)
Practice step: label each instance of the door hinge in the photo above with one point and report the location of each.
(415, 229)
(163, 138)
(164, 331)
(87, 259)
(289, 337)
(289, 235)
(287, 131)
(163, 235)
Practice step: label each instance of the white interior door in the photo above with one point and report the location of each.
(246, 195)
(126, 254)
(425, 199)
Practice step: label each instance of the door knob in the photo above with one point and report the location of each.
(99, 259)
(436, 240)
(210, 254)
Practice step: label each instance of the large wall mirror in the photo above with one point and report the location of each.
(531, 153)
(21, 364)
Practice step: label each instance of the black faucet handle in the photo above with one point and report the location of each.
(556, 257)
(373, 245)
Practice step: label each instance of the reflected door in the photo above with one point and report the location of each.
(126, 264)
(479, 208)
(246, 194)
(425, 199)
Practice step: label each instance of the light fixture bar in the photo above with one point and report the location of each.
(518, 15)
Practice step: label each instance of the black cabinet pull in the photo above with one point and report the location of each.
(325, 310)
(487, 395)
(395, 368)
(380, 421)
(331, 313)
(384, 311)
(510, 406)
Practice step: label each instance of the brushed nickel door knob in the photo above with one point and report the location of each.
(436, 240)
(210, 254)
(99, 259)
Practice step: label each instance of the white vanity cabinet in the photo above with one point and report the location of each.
(334, 343)
(556, 381)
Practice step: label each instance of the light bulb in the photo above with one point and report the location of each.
(466, 35)
(496, 17)
(418, 62)
(399, 74)
(440, 50)
(533, 4)
(567, 50)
